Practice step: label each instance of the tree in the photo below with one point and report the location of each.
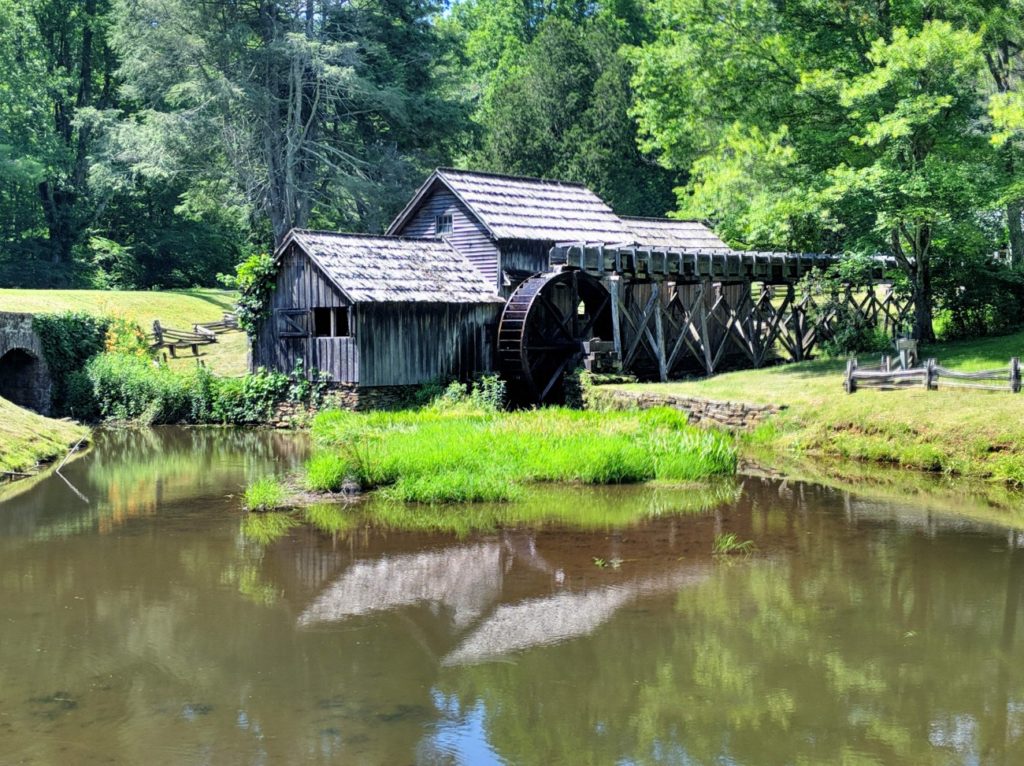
(851, 127)
(915, 112)
(287, 101)
(555, 97)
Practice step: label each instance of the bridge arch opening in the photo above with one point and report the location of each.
(21, 372)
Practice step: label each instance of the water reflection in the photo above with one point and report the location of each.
(144, 627)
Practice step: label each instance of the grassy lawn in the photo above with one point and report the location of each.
(957, 431)
(27, 439)
(179, 309)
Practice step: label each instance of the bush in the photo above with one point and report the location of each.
(853, 334)
(490, 393)
(69, 340)
(980, 297)
(250, 399)
(131, 388)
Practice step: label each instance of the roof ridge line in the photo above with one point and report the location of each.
(514, 177)
(357, 235)
(664, 219)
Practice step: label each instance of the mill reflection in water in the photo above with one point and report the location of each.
(143, 626)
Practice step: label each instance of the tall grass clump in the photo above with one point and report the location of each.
(266, 494)
(466, 454)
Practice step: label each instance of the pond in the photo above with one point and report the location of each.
(144, 621)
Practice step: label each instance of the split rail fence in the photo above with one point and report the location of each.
(930, 376)
(200, 335)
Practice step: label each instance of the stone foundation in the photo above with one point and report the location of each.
(734, 416)
(346, 396)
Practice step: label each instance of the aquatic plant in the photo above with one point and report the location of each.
(266, 494)
(730, 543)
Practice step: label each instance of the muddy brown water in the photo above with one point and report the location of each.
(142, 624)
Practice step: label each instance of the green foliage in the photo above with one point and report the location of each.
(128, 387)
(981, 297)
(852, 333)
(461, 454)
(255, 280)
(69, 340)
(266, 494)
(556, 96)
(490, 393)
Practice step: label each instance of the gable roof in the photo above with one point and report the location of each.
(514, 207)
(673, 234)
(393, 269)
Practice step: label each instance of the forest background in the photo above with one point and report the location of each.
(158, 143)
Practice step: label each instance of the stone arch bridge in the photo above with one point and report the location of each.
(24, 375)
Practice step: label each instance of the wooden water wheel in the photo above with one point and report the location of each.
(543, 328)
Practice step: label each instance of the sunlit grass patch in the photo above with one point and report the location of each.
(466, 455)
(265, 494)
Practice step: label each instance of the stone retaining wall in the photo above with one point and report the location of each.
(347, 397)
(734, 416)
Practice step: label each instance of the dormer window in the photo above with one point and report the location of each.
(443, 225)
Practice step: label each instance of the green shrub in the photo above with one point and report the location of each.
(69, 341)
(127, 387)
(490, 393)
(266, 494)
(853, 334)
(250, 399)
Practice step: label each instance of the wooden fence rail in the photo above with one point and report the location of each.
(930, 376)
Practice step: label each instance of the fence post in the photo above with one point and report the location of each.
(929, 374)
(1015, 375)
(850, 384)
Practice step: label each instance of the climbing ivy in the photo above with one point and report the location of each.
(69, 340)
(255, 279)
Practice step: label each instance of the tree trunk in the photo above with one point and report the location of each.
(1014, 210)
(921, 289)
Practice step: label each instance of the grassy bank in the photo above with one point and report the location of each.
(956, 431)
(28, 439)
(465, 454)
(179, 309)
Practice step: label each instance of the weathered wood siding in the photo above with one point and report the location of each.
(412, 343)
(301, 285)
(468, 237)
(525, 255)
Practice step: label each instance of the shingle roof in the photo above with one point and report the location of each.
(669, 233)
(512, 207)
(394, 269)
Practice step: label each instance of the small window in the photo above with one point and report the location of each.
(330, 323)
(443, 225)
(292, 323)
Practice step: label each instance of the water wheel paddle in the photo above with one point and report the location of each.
(543, 327)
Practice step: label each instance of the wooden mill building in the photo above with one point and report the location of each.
(377, 311)
(483, 272)
(506, 225)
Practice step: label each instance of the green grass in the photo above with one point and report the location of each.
(28, 439)
(465, 455)
(266, 494)
(179, 309)
(955, 431)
